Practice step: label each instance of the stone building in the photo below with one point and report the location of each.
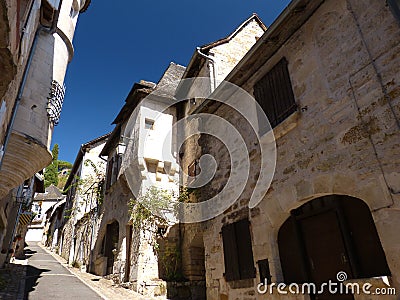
(15, 215)
(39, 46)
(136, 162)
(85, 191)
(213, 61)
(35, 49)
(41, 203)
(326, 75)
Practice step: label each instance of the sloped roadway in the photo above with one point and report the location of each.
(46, 279)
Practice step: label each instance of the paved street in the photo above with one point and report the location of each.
(48, 279)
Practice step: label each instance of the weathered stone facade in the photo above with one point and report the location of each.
(136, 162)
(343, 63)
(82, 212)
(39, 47)
(226, 53)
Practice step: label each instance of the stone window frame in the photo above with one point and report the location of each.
(238, 251)
(395, 8)
(274, 93)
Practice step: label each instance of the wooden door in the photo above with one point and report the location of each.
(326, 253)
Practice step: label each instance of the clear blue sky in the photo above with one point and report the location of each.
(121, 42)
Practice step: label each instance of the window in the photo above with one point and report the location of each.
(194, 168)
(149, 124)
(113, 167)
(275, 95)
(238, 253)
(109, 173)
(395, 7)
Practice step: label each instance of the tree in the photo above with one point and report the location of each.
(51, 172)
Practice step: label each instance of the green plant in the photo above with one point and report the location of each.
(170, 260)
(186, 192)
(51, 172)
(76, 264)
(150, 208)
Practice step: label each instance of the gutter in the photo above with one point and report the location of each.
(21, 88)
(211, 59)
(294, 7)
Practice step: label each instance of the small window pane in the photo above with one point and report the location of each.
(149, 124)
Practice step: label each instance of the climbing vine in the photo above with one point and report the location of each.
(88, 187)
(150, 207)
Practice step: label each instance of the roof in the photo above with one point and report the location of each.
(51, 193)
(169, 81)
(287, 23)
(253, 17)
(164, 89)
(112, 141)
(132, 100)
(79, 157)
(193, 67)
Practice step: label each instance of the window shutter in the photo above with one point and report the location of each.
(245, 251)
(275, 95)
(230, 253)
(109, 173)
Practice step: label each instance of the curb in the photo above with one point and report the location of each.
(64, 264)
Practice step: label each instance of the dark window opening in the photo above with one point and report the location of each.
(194, 168)
(395, 8)
(265, 274)
(149, 124)
(113, 168)
(238, 252)
(109, 173)
(275, 95)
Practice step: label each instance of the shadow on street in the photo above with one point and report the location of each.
(32, 274)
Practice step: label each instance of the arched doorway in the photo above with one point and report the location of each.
(110, 243)
(328, 235)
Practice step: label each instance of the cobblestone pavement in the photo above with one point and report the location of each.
(12, 280)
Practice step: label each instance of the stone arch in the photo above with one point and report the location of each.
(371, 190)
(327, 235)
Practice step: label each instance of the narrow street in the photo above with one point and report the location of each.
(46, 278)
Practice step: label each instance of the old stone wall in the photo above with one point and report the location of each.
(343, 64)
(227, 55)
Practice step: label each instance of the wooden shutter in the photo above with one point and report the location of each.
(230, 253)
(245, 251)
(109, 173)
(275, 95)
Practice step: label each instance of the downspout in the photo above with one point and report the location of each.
(21, 88)
(211, 59)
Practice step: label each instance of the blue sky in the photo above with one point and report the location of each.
(121, 43)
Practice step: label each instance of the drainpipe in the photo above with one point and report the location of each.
(21, 88)
(211, 59)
